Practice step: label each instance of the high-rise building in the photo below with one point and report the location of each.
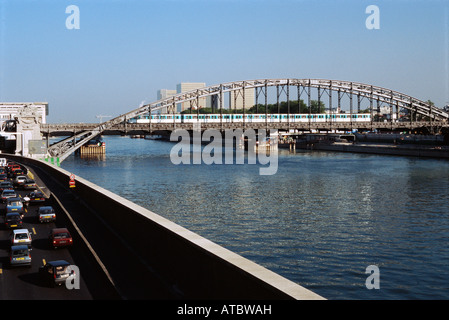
(236, 98)
(165, 93)
(182, 87)
(189, 86)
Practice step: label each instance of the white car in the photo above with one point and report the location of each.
(8, 194)
(20, 180)
(20, 237)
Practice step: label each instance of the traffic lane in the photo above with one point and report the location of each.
(24, 282)
(98, 283)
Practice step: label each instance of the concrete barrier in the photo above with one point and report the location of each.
(191, 266)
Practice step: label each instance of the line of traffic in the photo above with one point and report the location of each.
(18, 212)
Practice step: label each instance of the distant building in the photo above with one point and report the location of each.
(206, 102)
(189, 86)
(236, 98)
(165, 93)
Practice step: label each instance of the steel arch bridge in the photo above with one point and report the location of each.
(325, 89)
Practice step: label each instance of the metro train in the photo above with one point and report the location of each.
(248, 118)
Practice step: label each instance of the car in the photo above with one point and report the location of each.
(20, 255)
(56, 272)
(20, 180)
(14, 170)
(6, 185)
(16, 173)
(13, 166)
(36, 196)
(3, 177)
(8, 193)
(46, 214)
(14, 205)
(13, 220)
(60, 237)
(29, 184)
(20, 236)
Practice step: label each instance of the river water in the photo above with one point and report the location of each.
(320, 221)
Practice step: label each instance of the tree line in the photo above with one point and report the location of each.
(283, 107)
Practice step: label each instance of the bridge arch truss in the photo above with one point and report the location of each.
(354, 91)
(324, 87)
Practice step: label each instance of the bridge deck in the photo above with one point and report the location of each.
(134, 128)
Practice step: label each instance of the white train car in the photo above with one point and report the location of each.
(226, 118)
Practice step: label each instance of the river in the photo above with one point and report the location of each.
(320, 221)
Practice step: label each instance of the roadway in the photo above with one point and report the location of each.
(23, 283)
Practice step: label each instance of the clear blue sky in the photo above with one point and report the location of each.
(126, 50)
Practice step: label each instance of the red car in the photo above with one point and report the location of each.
(60, 237)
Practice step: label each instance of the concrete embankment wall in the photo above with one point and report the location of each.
(384, 150)
(192, 266)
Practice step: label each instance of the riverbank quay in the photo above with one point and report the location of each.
(412, 150)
